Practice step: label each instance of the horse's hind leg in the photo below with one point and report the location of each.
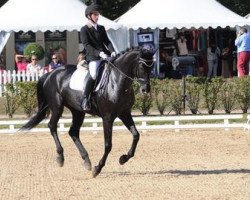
(129, 123)
(74, 134)
(56, 113)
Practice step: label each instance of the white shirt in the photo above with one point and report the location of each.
(32, 68)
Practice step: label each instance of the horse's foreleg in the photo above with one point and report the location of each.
(56, 114)
(129, 123)
(74, 134)
(107, 126)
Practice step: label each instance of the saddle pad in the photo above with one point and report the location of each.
(77, 79)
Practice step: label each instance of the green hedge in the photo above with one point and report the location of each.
(166, 96)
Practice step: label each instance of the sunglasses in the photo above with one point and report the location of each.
(54, 58)
(34, 59)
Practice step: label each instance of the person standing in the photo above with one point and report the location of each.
(242, 42)
(21, 62)
(182, 50)
(213, 53)
(97, 45)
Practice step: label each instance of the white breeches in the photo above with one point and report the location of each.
(93, 68)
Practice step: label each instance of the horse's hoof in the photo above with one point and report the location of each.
(60, 161)
(95, 172)
(123, 159)
(87, 165)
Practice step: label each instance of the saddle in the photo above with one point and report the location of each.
(77, 79)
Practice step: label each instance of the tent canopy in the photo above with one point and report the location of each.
(43, 15)
(180, 13)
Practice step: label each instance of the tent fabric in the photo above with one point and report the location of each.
(44, 15)
(179, 14)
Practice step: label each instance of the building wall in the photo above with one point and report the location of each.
(72, 48)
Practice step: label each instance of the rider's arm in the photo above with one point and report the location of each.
(107, 41)
(85, 38)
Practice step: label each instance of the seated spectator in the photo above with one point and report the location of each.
(21, 62)
(55, 62)
(33, 66)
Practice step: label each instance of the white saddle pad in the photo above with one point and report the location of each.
(77, 78)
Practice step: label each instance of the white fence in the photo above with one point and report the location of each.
(142, 123)
(13, 76)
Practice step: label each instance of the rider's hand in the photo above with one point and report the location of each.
(113, 54)
(103, 55)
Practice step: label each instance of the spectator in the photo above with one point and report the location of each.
(33, 66)
(21, 62)
(226, 62)
(243, 48)
(213, 53)
(55, 63)
(182, 50)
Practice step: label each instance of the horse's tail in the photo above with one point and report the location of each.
(42, 106)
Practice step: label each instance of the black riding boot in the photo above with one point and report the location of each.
(86, 94)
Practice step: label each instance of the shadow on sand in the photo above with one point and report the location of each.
(185, 172)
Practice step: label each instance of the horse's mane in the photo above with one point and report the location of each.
(126, 51)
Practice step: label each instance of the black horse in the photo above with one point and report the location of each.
(114, 99)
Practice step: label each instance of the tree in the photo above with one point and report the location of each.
(241, 7)
(2, 2)
(113, 9)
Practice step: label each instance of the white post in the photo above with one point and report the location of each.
(23, 76)
(226, 123)
(18, 76)
(9, 76)
(1, 84)
(14, 76)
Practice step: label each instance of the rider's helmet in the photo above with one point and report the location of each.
(92, 8)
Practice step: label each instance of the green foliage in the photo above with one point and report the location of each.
(175, 98)
(228, 95)
(241, 7)
(243, 93)
(193, 93)
(34, 49)
(27, 93)
(211, 89)
(160, 92)
(11, 103)
(143, 102)
(113, 9)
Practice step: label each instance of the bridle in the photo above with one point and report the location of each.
(141, 61)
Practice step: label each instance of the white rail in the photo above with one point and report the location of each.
(13, 76)
(142, 123)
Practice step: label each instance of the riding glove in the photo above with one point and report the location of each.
(103, 55)
(113, 54)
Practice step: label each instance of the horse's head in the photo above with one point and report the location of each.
(145, 65)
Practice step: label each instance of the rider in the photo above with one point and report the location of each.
(98, 46)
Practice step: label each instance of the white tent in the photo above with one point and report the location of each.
(248, 16)
(44, 15)
(48, 15)
(180, 13)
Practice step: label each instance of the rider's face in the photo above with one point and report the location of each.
(95, 16)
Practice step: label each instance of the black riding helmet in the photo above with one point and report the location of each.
(91, 8)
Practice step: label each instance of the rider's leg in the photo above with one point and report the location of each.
(90, 80)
